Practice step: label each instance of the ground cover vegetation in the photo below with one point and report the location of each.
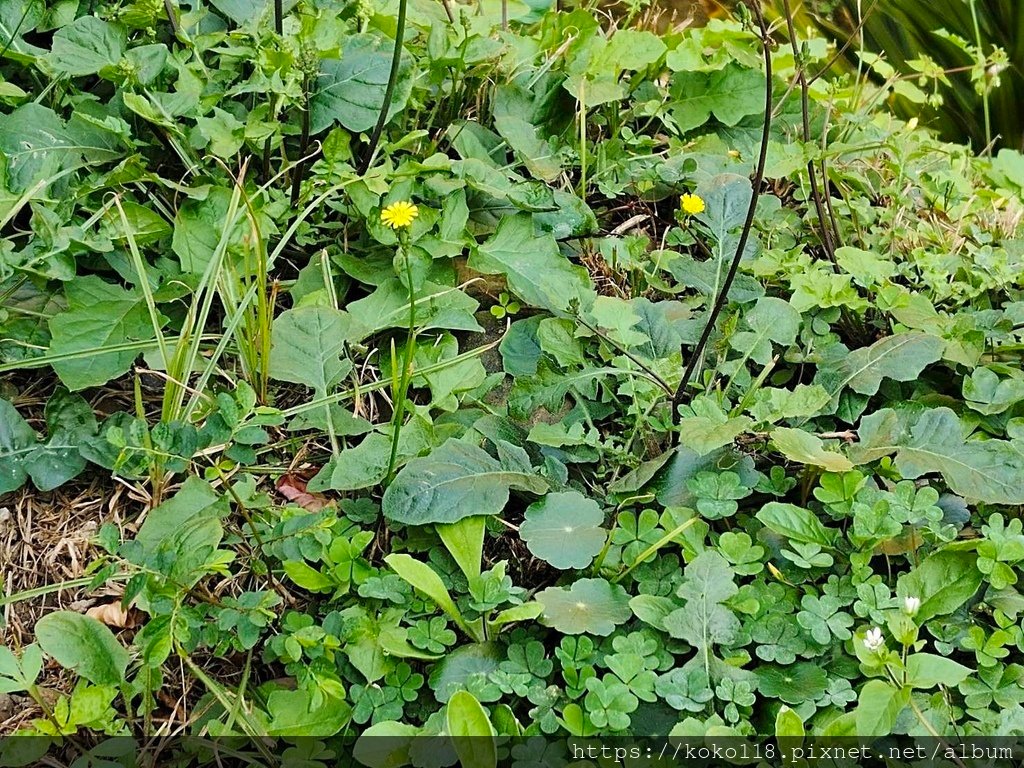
(576, 394)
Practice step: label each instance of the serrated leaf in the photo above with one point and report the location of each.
(308, 344)
(99, 315)
(536, 271)
(564, 530)
(350, 90)
(991, 471)
(901, 357)
(702, 434)
(801, 446)
(730, 94)
(454, 481)
(85, 46)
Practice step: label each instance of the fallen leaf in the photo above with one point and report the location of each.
(113, 615)
(293, 488)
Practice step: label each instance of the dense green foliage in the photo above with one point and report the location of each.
(365, 519)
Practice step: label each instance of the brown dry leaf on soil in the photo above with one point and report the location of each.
(293, 488)
(113, 615)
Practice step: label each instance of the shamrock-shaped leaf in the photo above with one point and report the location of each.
(564, 529)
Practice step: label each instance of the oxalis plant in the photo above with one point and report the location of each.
(495, 370)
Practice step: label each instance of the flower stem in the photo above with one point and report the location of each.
(382, 118)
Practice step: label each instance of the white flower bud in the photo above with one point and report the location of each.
(911, 605)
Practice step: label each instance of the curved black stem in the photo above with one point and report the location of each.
(748, 224)
(382, 118)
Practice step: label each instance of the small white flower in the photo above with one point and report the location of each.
(911, 605)
(873, 640)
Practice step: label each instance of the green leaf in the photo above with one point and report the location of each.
(180, 536)
(17, 440)
(385, 745)
(788, 724)
(703, 434)
(294, 713)
(991, 471)
(536, 271)
(987, 394)
(591, 606)
(770, 320)
(471, 731)
(99, 315)
(350, 90)
(422, 577)
(801, 446)
(943, 582)
(926, 670)
(879, 705)
(730, 94)
(703, 621)
(564, 530)
(85, 46)
(84, 645)
(454, 481)
(308, 345)
(795, 523)
(462, 668)
(465, 541)
(901, 357)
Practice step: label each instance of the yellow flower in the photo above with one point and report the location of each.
(399, 215)
(691, 204)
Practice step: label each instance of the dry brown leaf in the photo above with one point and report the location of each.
(113, 615)
(293, 488)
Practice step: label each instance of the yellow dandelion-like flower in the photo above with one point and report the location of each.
(399, 215)
(691, 204)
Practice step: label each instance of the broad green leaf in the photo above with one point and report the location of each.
(801, 446)
(17, 440)
(987, 394)
(99, 315)
(437, 306)
(536, 271)
(703, 621)
(516, 613)
(299, 713)
(454, 481)
(589, 606)
(465, 542)
(199, 227)
(730, 94)
(84, 645)
(564, 529)
(617, 318)
(703, 434)
(464, 667)
(926, 670)
(788, 724)
(879, 705)
(795, 523)
(471, 731)
(86, 46)
(943, 582)
(991, 471)
(180, 536)
(385, 745)
(241, 11)
(770, 320)
(350, 90)
(308, 345)
(901, 357)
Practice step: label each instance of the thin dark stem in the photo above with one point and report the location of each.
(300, 170)
(448, 11)
(171, 16)
(805, 111)
(748, 223)
(382, 118)
(278, 16)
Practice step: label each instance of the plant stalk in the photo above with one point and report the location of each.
(396, 62)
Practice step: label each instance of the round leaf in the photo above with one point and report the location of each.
(589, 606)
(564, 529)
